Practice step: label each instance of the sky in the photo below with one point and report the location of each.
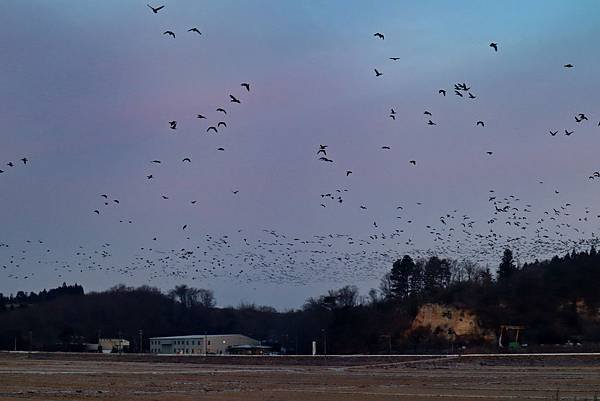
(88, 89)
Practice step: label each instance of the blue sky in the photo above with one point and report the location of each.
(88, 89)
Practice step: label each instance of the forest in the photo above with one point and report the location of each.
(557, 300)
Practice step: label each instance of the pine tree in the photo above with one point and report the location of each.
(507, 266)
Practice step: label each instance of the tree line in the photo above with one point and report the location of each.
(556, 300)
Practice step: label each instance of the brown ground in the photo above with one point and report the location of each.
(114, 378)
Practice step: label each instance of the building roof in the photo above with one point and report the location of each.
(197, 336)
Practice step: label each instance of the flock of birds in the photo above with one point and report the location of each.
(280, 257)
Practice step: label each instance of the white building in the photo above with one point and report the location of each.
(218, 344)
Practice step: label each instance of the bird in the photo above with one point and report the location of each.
(212, 128)
(200, 116)
(184, 227)
(222, 123)
(104, 196)
(363, 207)
(553, 133)
(457, 93)
(392, 111)
(348, 172)
(246, 85)
(494, 46)
(235, 192)
(149, 176)
(116, 201)
(377, 73)
(442, 92)
(164, 197)
(413, 162)
(169, 33)
(10, 164)
(471, 96)
(187, 159)
(156, 161)
(173, 124)
(480, 123)
(385, 147)
(222, 110)
(221, 149)
(155, 10)
(324, 159)
(234, 99)
(24, 160)
(567, 133)
(568, 65)
(97, 211)
(379, 35)
(393, 117)
(489, 153)
(431, 123)
(195, 30)
(427, 113)
(322, 149)
(395, 58)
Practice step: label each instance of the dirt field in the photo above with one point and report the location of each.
(114, 378)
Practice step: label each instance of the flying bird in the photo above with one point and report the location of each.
(377, 73)
(379, 35)
(348, 172)
(187, 159)
(149, 176)
(442, 92)
(156, 161)
(385, 147)
(173, 124)
(413, 162)
(24, 160)
(395, 58)
(480, 123)
(567, 133)
(222, 123)
(200, 116)
(427, 113)
(568, 65)
(10, 164)
(494, 46)
(246, 85)
(322, 149)
(221, 149)
(155, 10)
(195, 30)
(222, 110)
(234, 99)
(489, 153)
(431, 123)
(212, 128)
(169, 33)
(553, 133)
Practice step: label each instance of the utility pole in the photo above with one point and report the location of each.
(324, 342)
(141, 338)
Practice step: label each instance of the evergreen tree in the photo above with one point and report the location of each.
(402, 271)
(507, 266)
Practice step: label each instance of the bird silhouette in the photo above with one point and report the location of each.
(200, 116)
(385, 147)
(156, 161)
(155, 10)
(222, 123)
(10, 164)
(480, 123)
(212, 128)
(553, 133)
(413, 162)
(567, 133)
(169, 33)
(246, 85)
(235, 192)
(149, 176)
(222, 110)
(24, 160)
(431, 123)
(442, 92)
(494, 46)
(221, 149)
(379, 35)
(234, 99)
(395, 58)
(348, 172)
(489, 153)
(173, 124)
(187, 159)
(377, 73)
(195, 30)
(568, 65)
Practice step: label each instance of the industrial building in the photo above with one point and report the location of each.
(214, 344)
